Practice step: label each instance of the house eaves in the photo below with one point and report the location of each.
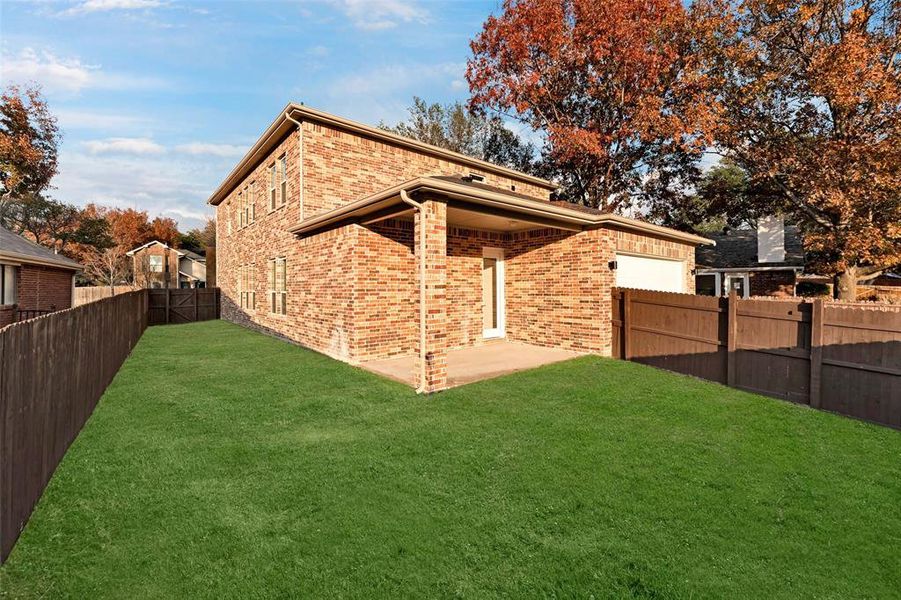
(282, 125)
(489, 198)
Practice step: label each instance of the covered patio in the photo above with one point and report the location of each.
(467, 365)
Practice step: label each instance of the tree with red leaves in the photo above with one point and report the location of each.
(619, 88)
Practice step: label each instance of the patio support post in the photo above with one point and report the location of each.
(431, 362)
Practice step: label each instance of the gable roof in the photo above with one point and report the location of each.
(14, 247)
(282, 125)
(738, 249)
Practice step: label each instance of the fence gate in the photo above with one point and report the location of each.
(182, 305)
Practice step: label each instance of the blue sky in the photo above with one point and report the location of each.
(158, 99)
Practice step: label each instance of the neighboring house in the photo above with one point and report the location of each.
(156, 265)
(33, 279)
(365, 245)
(761, 262)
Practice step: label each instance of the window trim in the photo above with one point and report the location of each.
(272, 187)
(277, 296)
(4, 268)
(282, 161)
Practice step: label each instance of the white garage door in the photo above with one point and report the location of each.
(647, 273)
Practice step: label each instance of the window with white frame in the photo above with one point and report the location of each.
(246, 291)
(241, 209)
(272, 187)
(155, 263)
(228, 218)
(252, 203)
(278, 286)
(283, 178)
(8, 284)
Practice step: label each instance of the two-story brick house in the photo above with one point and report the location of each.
(363, 245)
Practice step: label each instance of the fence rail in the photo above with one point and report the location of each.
(842, 358)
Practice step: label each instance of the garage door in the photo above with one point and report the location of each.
(647, 273)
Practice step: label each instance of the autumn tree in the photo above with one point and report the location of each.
(29, 141)
(454, 127)
(165, 230)
(618, 87)
(812, 99)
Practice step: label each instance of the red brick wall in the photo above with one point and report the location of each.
(7, 314)
(641, 243)
(772, 283)
(340, 167)
(44, 288)
(386, 292)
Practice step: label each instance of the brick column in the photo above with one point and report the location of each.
(431, 222)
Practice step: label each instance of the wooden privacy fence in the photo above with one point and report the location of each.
(83, 295)
(183, 305)
(53, 370)
(838, 357)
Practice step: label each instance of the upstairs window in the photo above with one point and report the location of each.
(155, 263)
(283, 178)
(241, 211)
(252, 203)
(272, 187)
(278, 286)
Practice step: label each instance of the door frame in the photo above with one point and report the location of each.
(501, 329)
(746, 283)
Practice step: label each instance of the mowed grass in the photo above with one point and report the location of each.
(224, 463)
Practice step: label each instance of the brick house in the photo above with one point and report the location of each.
(33, 279)
(156, 265)
(754, 262)
(364, 245)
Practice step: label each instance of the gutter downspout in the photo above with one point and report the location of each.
(299, 159)
(422, 309)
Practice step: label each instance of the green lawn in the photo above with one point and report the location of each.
(224, 463)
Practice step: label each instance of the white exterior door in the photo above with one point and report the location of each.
(649, 273)
(492, 292)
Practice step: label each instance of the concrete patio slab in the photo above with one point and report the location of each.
(467, 365)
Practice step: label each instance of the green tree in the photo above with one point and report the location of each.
(453, 127)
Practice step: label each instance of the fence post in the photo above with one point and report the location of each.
(627, 324)
(816, 351)
(195, 304)
(731, 336)
(168, 300)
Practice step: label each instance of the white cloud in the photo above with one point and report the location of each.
(140, 146)
(53, 73)
(374, 15)
(318, 51)
(394, 79)
(458, 85)
(75, 119)
(66, 75)
(90, 6)
(206, 149)
(165, 184)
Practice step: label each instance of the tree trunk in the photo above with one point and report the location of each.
(845, 285)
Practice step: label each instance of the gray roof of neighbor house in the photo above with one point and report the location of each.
(193, 255)
(738, 249)
(14, 247)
